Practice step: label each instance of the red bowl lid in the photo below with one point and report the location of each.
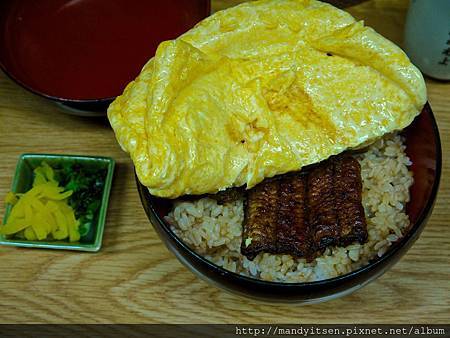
(87, 49)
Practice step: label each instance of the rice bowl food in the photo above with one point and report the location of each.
(271, 135)
(215, 230)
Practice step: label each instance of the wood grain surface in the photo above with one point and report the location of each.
(134, 278)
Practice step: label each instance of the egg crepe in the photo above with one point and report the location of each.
(261, 89)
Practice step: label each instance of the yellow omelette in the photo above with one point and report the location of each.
(258, 90)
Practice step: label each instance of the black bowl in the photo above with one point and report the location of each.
(423, 148)
(62, 51)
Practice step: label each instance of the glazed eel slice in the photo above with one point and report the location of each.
(275, 218)
(293, 231)
(260, 220)
(321, 201)
(303, 213)
(348, 191)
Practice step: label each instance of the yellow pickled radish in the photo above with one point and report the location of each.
(28, 213)
(48, 216)
(44, 174)
(29, 234)
(39, 179)
(17, 211)
(43, 211)
(60, 225)
(40, 229)
(13, 227)
(36, 203)
(41, 219)
(11, 198)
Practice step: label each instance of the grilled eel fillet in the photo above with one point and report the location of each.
(303, 213)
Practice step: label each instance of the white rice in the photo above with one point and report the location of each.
(214, 230)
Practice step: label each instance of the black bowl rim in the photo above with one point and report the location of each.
(377, 261)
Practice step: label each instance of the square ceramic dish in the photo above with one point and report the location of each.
(22, 182)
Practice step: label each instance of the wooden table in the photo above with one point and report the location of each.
(135, 279)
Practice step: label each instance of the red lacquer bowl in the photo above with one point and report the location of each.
(83, 53)
(423, 148)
